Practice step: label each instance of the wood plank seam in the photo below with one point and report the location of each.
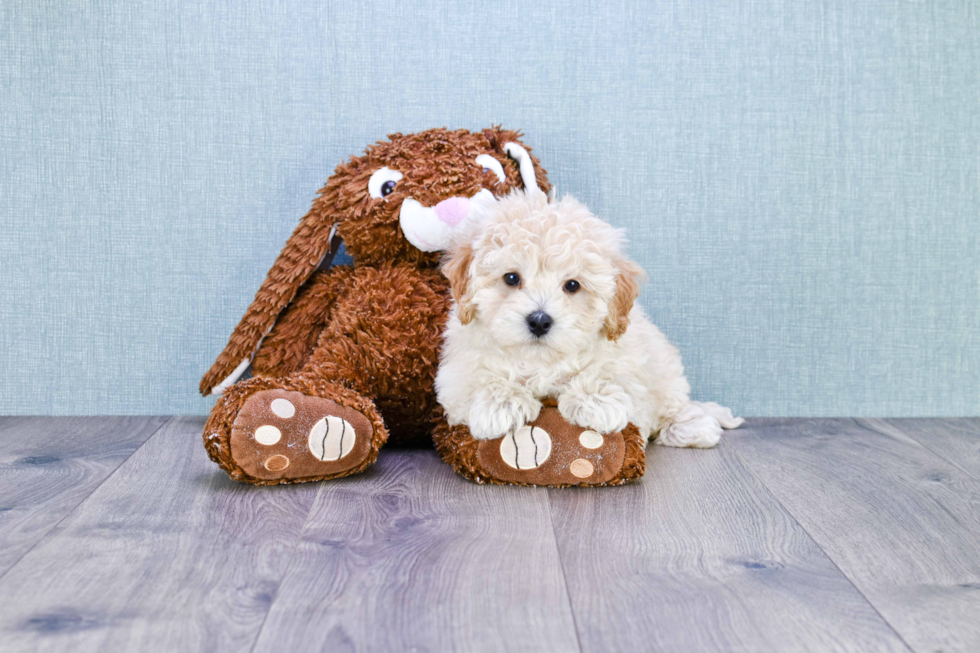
(285, 572)
(437, 560)
(871, 427)
(700, 556)
(789, 512)
(169, 524)
(561, 564)
(69, 513)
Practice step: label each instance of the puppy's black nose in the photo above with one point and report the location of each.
(539, 323)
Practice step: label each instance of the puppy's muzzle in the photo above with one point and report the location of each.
(538, 323)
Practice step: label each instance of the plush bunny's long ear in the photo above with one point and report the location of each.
(311, 247)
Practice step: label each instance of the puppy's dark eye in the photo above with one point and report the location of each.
(512, 279)
(572, 286)
(387, 188)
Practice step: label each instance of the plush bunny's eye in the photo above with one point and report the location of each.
(382, 182)
(491, 164)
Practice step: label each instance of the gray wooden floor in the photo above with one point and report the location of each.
(862, 535)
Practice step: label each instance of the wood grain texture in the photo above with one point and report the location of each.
(792, 535)
(700, 557)
(411, 557)
(902, 523)
(168, 554)
(48, 465)
(956, 440)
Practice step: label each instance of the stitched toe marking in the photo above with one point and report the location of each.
(581, 468)
(527, 448)
(332, 438)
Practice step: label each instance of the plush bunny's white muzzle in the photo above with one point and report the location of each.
(431, 228)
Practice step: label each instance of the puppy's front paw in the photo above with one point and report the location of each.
(497, 411)
(606, 413)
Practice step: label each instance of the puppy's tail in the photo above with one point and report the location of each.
(720, 413)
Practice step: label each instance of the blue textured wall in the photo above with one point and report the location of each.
(801, 180)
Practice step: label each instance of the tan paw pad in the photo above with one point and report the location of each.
(267, 435)
(283, 408)
(277, 463)
(590, 439)
(581, 468)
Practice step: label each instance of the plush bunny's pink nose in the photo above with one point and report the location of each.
(453, 210)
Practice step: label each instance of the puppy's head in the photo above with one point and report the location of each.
(549, 278)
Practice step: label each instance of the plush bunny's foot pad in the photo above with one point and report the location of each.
(549, 451)
(276, 435)
(283, 434)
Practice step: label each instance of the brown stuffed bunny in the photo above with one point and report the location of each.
(344, 358)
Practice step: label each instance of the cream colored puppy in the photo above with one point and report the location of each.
(544, 307)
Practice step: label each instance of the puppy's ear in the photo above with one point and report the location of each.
(627, 289)
(456, 268)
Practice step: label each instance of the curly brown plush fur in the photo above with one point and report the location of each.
(437, 164)
(364, 336)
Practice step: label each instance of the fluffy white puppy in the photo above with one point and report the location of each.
(544, 307)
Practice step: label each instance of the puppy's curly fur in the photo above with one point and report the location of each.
(601, 357)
